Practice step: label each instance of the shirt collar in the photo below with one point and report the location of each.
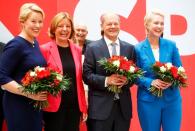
(108, 41)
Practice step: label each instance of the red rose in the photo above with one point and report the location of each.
(125, 65)
(43, 74)
(56, 82)
(183, 80)
(159, 64)
(27, 79)
(174, 71)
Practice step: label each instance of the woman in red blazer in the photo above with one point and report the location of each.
(65, 111)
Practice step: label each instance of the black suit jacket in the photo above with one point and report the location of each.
(85, 45)
(100, 99)
(1, 47)
(1, 92)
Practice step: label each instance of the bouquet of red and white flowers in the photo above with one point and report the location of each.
(122, 66)
(168, 73)
(44, 79)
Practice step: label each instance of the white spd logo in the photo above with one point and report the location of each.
(89, 11)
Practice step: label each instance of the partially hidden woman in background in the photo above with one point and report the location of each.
(20, 55)
(64, 112)
(157, 112)
(1, 94)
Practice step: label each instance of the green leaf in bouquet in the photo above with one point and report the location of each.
(155, 91)
(114, 89)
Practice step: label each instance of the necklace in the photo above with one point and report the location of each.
(33, 44)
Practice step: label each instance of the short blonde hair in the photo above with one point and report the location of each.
(148, 16)
(56, 20)
(27, 8)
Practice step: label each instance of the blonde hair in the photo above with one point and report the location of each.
(149, 14)
(56, 20)
(27, 8)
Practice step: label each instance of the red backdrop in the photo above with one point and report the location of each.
(9, 10)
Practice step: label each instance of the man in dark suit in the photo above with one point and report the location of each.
(1, 94)
(108, 111)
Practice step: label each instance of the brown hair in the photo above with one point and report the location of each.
(56, 20)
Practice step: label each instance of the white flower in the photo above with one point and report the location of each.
(59, 77)
(38, 68)
(116, 63)
(162, 69)
(181, 69)
(132, 69)
(41, 68)
(169, 65)
(32, 74)
(126, 58)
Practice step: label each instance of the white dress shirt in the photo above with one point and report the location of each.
(156, 54)
(109, 42)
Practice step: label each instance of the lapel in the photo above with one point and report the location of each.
(148, 51)
(162, 50)
(122, 48)
(104, 48)
(55, 56)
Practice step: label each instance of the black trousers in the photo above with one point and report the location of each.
(65, 119)
(115, 121)
(1, 110)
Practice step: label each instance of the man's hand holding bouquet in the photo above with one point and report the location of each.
(123, 71)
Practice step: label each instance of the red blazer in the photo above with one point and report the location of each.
(51, 55)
